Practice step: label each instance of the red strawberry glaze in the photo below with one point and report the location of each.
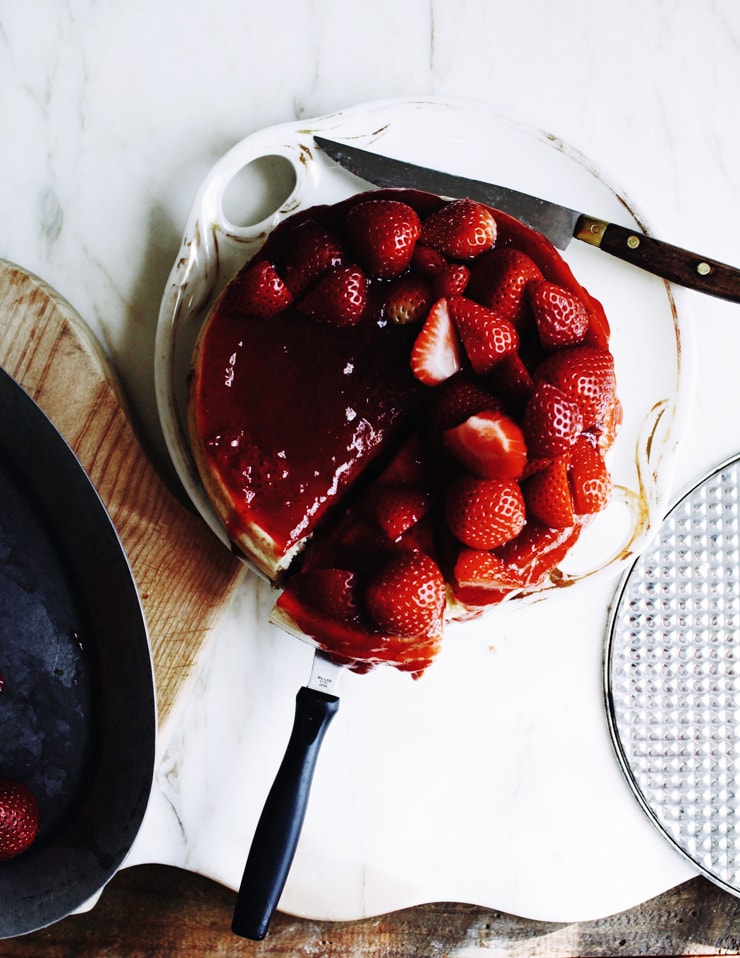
(358, 433)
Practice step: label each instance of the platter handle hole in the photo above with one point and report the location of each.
(258, 190)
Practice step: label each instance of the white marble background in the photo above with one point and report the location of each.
(112, 113)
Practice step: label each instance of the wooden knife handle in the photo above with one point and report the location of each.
(661, 259)
(279, 827)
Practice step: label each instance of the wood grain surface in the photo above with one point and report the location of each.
(154, 911)
(185, 577)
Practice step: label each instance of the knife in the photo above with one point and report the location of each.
(558, 223)
(279, 827)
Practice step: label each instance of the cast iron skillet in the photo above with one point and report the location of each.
(77, 706)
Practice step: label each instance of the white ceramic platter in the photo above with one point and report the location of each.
(491, 780)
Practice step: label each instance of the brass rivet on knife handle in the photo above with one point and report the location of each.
(662, 259)
(590, 230)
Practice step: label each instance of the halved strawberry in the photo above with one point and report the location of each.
(562, 319)
(551, 421)
(339, 298)
(484, 513)
(451, 281)
(262, 292)
(406, 596)
(548, 496)
(589, 476)
(585, 374)
(396, 508)
(499, 280)
(19, 818)
(463, 229)
(435, 355)
(486, 336)
(408, 299)
(488, 444)
(536, 551)
(383, 234)
(305, 252)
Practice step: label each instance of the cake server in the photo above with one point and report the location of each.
(558, 223)
(279, 827)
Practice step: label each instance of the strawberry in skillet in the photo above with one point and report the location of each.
(562, 319)
(383, 234)
(484, 513)
(488, 444)
(462, 229)
(338, 298)
(262, 291)
(406, 596)
(19, 818)
(435, 355)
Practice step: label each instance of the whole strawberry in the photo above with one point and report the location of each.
(383, 235)
(19, 818)
(339, 298)
(484, 513)
(406, 597)
(462, 229)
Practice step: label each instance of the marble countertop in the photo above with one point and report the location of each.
(114, 113)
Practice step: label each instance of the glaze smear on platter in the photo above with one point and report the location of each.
(400, 408)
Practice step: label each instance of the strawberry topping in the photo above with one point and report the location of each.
(484, 513)
(435, 355)
(263, 291)
(551, 421)
(562, 319)
(489, 444)
(589, 476)
(383, 234)
(462, 229)
(548, 497)
(406, 597)
(487, 337)
(339, 298)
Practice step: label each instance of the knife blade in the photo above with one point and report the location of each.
(559, 224)
(279, 827)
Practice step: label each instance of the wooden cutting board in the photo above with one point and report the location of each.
(184, 575)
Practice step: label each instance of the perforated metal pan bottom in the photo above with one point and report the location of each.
(672, 677)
